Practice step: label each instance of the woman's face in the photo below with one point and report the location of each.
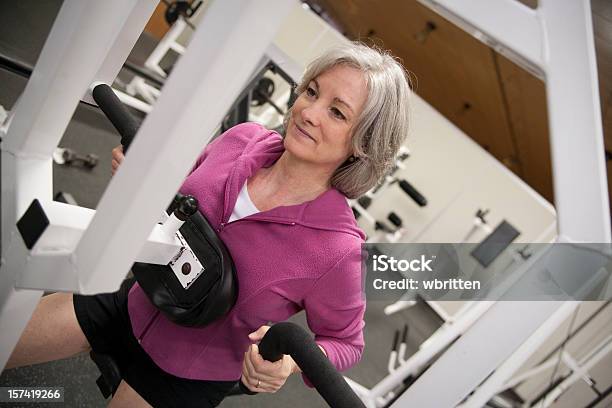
(320, 127)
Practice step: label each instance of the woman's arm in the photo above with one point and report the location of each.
(335, 307)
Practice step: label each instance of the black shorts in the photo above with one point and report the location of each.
(105, 321)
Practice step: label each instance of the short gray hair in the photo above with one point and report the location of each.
(382, 127)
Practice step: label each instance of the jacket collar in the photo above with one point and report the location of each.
(329, 211)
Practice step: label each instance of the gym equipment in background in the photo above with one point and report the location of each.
(480, 224)
(495, 243)
(262, 93)
(64, 197)
(181, 9)
(360, 205)
(71, 158)
(258, 92)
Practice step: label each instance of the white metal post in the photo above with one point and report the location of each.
(586, 364)
(494, 384)
(76, 48)
(558, 38)
(441, 339)
(123, 44)
(197, 94)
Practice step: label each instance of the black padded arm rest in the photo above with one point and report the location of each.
(210, 296)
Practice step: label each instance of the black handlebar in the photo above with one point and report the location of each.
(117, 113)
(289, 338)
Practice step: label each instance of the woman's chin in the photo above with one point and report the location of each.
(299, 150)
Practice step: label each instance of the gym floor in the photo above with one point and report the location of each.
(24, 26)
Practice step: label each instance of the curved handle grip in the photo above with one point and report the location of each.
(117, 113)
(289, 338)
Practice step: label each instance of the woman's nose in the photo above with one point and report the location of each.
(311, 115)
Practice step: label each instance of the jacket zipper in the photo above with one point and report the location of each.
(148, 326)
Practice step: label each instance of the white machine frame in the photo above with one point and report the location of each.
(564, 54)
(90, 41)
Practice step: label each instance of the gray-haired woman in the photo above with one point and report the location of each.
(279, 204)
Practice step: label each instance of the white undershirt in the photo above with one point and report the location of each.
(244, 206)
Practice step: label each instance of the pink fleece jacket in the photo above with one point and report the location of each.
(289, 258)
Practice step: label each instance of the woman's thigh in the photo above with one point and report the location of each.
(126, 397)
(52, 333)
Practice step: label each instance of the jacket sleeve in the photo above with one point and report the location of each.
(335, 307)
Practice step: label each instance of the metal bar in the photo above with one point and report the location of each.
(16, 66)
(576, 375)
(133, 102)
(142, 72)
(442, 339)
(575, 332)
(528, 374)
(164, 46)
(495, 383)
(475, 355)
(501, 22)
(574, 115)
(123, 44)
(573, 365)
(600, 398)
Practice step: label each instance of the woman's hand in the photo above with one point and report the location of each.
(117, 158)
(260, 375)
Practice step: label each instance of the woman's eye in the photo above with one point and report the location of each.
(310, 91)
(336, 112)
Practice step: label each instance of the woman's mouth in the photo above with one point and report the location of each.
(304, 133)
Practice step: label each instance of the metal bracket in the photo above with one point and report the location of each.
(185, 265)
